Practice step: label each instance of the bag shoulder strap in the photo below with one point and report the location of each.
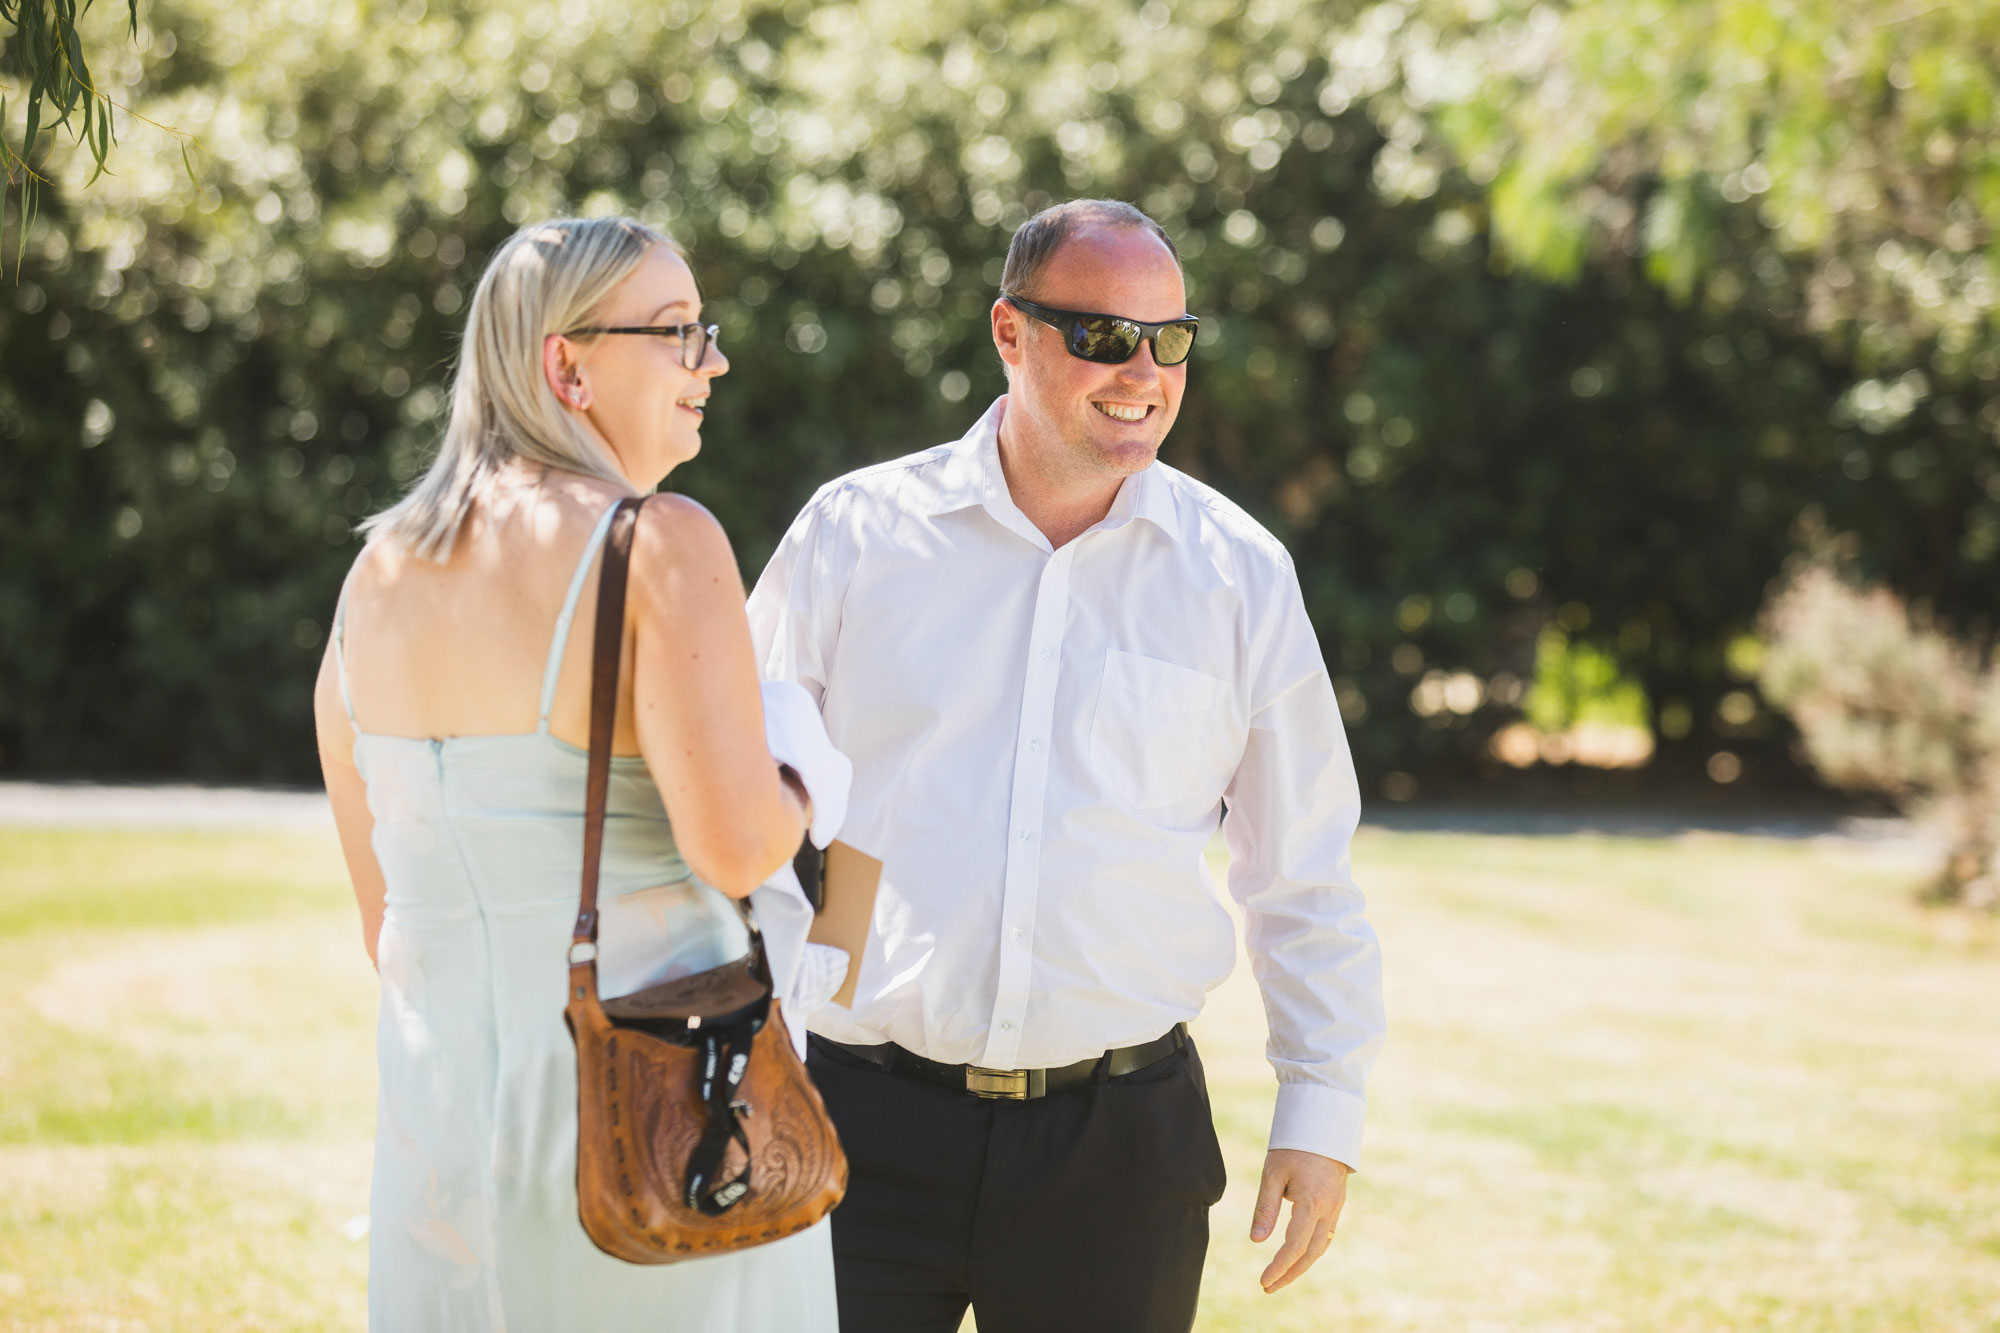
(607, 645)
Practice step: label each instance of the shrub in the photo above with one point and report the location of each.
(1891, 703)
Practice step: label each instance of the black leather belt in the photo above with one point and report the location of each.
(1016, 1085)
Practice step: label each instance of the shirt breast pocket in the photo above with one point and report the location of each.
(1152, 727)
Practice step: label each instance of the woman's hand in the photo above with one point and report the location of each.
(795, 788)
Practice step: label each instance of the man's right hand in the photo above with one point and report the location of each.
(1317, 1187)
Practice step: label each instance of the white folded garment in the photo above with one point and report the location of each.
(821, 970)
(797, 737)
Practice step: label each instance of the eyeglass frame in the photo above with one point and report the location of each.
(1063, 321)
(700, 339)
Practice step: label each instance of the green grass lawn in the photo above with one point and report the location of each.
(1705, 1083)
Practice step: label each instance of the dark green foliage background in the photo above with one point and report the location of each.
(1415, 417)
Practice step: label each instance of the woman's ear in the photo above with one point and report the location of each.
(564, 372)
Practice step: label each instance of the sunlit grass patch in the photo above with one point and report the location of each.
(63, 879)
(186, 1083)
(72, 1088)
(1649, 1084)
(1665, 1085)
(245, 1237)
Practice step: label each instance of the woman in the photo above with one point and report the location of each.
(453, 712)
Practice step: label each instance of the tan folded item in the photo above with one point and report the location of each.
(849, 881)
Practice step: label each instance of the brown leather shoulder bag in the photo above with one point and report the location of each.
(698, 1131)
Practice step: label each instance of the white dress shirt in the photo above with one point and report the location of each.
(1043, 741)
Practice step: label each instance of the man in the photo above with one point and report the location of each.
(1055, 662)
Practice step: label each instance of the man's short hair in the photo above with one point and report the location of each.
(1038, 239)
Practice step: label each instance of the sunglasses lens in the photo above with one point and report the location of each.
(1101, 338)
(1173, 344)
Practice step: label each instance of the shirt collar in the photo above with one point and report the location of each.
(1148, 495)
(972, 475)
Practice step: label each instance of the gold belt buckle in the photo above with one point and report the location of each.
(1001, 1084)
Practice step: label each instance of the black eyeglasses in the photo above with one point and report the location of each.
(1112, 339)
(695, 338)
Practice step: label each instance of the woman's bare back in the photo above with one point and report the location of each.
(434, 651)
(458, 649)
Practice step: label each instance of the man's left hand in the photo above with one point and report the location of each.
(1317, 1187)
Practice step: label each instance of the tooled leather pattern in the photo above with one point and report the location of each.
(639, 1118)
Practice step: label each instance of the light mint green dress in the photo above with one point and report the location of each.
(473, 1213)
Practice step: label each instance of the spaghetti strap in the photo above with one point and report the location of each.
(340, 655)
(552, 672)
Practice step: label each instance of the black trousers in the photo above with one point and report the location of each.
(1083, 1210)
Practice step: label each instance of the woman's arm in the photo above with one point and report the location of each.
(349, 796)
(695, 695)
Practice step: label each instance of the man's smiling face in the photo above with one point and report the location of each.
(1107, 419)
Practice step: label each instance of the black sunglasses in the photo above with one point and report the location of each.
(1112, 339)
(695, 338)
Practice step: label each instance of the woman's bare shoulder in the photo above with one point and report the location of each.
(680, 549)
(377, 562)
(676, 527)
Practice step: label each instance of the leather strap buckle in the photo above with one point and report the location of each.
(998, 1084)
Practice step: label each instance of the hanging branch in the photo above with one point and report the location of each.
(48, 53)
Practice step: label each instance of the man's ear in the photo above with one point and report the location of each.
(1010, 328)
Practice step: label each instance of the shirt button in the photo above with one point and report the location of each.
(1048, 653)
(1034, 746)
(1016, 932)
(1027, 835)
(1006, 1025)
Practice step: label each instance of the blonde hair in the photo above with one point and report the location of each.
(548, 278)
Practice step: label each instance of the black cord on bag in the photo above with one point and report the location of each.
(725, 1057)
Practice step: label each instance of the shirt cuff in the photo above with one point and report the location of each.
(797, 737)
(1312, 1117)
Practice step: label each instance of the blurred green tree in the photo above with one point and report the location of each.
(1831, 160)
(203, 390)
(1828, 166)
